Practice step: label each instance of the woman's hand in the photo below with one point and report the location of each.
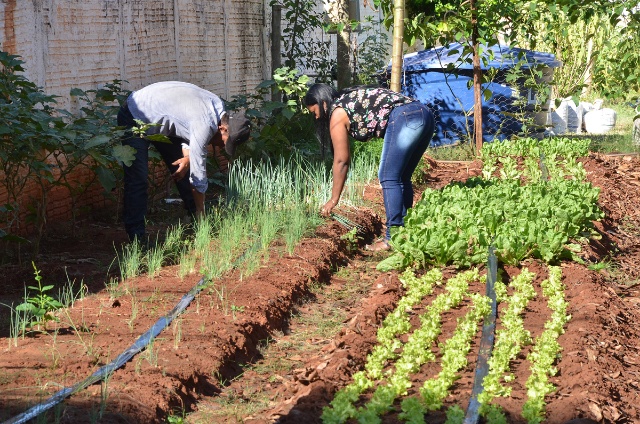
(328, 207)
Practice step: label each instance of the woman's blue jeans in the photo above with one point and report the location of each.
(408, 135)
(136, 177)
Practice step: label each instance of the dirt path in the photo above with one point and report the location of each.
(200, 359)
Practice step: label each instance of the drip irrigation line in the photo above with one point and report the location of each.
(108, 369)
(125, 356)
(348, 224)
(486, 343)
(543, 168)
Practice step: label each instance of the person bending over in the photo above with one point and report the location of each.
(191, 117)
(405, 124)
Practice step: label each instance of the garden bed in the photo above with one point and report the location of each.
(204, 352)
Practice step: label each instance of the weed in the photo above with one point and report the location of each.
(38, 305)
(175, 419)
(235, 309)
(352, 238)
(600, 266)
(177, 332)
(134, 313)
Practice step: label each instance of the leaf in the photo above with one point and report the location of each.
(77, 92)
(4, 236)
(393, 262)
(124, 154)
(98, 140)
(266, 84)
(158, 138)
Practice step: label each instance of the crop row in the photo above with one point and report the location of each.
(390, 366)
(457, 224)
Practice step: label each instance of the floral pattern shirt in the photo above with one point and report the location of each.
(368, 110)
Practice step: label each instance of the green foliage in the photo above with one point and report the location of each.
(458, 223)
(38, 305)
(407, 357)
(371, 53)
(351, 237)
(300, 50)
(281, 126)
(45, 145)
(27, 129)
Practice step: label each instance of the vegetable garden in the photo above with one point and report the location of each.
(551, 226)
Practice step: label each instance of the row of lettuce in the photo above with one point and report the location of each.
(532, 202)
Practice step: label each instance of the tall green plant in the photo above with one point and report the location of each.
(301, 17)
(281, 126)
(28, 129)
(39, 305)
(46, 146)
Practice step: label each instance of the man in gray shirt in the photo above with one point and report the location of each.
(191, 117)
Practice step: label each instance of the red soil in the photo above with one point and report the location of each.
(598, 373)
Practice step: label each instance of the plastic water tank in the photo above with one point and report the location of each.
(599, 121)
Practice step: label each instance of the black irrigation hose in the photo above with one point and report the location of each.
(543, 168)
(125, 356)
(486, 343)
(108, 369)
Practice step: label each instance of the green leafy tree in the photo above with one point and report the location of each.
(45, 146)
(543, 23)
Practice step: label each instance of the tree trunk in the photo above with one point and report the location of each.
(340, 16)
(396, 54)
(477, 79)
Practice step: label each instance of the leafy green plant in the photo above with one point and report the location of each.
(39, 304)
(236, 309)
(45, 146)
(282, 126)
(521, 220)
(352, 238)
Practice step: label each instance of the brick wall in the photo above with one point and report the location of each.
(94, 200)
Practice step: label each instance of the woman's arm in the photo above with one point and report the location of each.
(339, 130)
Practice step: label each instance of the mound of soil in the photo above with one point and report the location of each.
(204, 350)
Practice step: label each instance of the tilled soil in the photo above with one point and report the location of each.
(197, 356)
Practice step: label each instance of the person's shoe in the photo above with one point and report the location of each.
(379, 245)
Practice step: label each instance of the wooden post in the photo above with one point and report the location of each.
(396, 53)
(477, 79)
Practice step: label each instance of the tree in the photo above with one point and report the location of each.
(478, 23)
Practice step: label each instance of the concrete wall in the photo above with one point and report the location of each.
(221, 45)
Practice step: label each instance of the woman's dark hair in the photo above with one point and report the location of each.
(322, 95)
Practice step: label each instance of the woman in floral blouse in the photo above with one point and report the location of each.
(365, 113)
